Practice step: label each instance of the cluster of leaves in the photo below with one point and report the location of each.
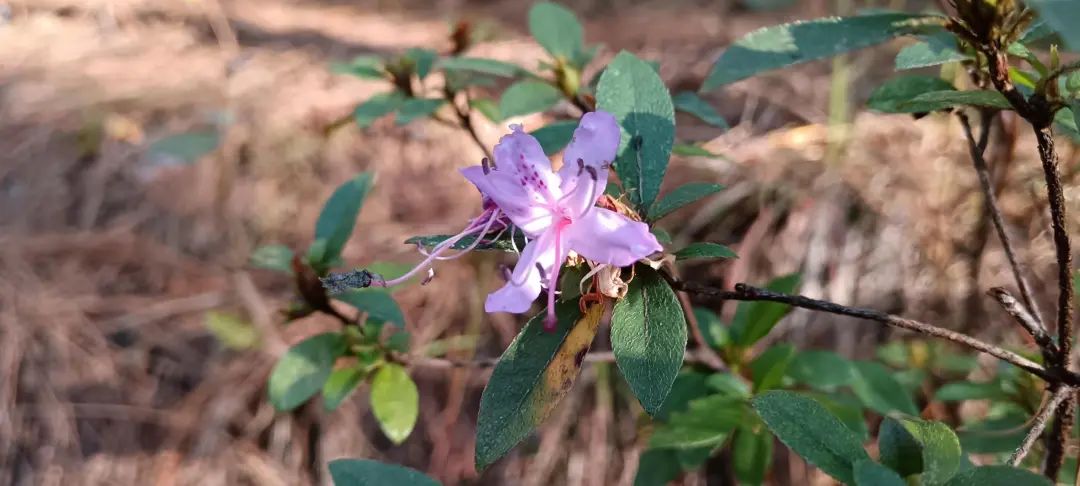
(815, 402)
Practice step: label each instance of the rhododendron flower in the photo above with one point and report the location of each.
(557, 210)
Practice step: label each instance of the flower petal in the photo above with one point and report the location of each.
(595, 143)
(520, 157)
(524, 286)
(605, 236)
(511, 198)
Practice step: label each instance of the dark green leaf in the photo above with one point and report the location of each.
(338, 217)
(414, 108)
(487, 107)
(555, 136)
(570, 282)
(1062, 16)
(303, 370)
(870, 473)
(728, 384)
(377, 302)
(821, 370)
(811, 432)
(704, 250)
(690, 102)
(556, 29)
(998, 476)
(1065, 122)
(399, 342)
(845, 407)
(340, 385)
(998, 434)
(648, 338)
(528, 97)
(751, 453)
(933, 50)
(894, 95)
(912, 446)
(377, 107)
(769, 367)
(941, 100)
(661, 234)
(754, 320)
(366, 66)
(422, 59)
(533, 374)
(777, 46)
(273, 257)
(877, 388)
(363, 472)
(712, 329)
(481, 66)
(689, 385)
(681, 196)
(183, 148)
(395, 401)
(965, 390)
(657, 467)
(706, 424)
(502, 244)
(632, 91)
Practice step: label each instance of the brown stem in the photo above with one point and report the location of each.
(977, 150)
(1026, 320)
(1038, 425)
(1056, 196)
(747, 293)
(1059, 433)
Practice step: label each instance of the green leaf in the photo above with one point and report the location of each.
(769, 367)
(894, 95)
(690, 102)
(554, 137)
(661, 234)
(377, 302)
(338, 217)
(933, 50)
(845, 407)
(821, 370)
(533, 374)
(528, 97)
(557, 30)
(783, 45)
(365, 66)
(690, 150)
(998, 434)
(377, 107)
(422, 60)
(648, 338)
(273, 257)
(728, 384)
(395, 402)
(487, 107)
(688, 386)
(481, 66)
(754, 320)
(751, 453)
(964, 390)
(414, 108)
(877, 388)
(704, 250)
(912, 446)
(712, 329)
(681, 196)
(303, 370)
(231, 330)
(870, 473)
(632, 91)
(1062, 16)
(998, 476)
(502, 244)
(941, 100)
(707, 423)
(658, 467)
(340, 385)
(364, 472)
(183, 148)
(811, 432)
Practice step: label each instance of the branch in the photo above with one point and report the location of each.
(977, 150)
(691, 356)
(1025, 319)
(748, 293)
(1056, 195)
(1059, 437)
(1038, 425)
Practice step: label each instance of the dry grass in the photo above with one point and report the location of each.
(109, 262)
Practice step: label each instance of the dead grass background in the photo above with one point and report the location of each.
(108, 263)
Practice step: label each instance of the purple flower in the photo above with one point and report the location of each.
(557, 210)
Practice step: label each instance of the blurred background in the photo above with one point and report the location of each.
(135, 339)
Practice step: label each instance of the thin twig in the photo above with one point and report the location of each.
(1056, 195)
(691, 356)
(1038, 425)
(977, 150)
(749, 293)
(1025, 319)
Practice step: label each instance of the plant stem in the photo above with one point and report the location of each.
(1038, 425)
(1056, 195)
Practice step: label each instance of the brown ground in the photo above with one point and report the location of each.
(109, 261)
